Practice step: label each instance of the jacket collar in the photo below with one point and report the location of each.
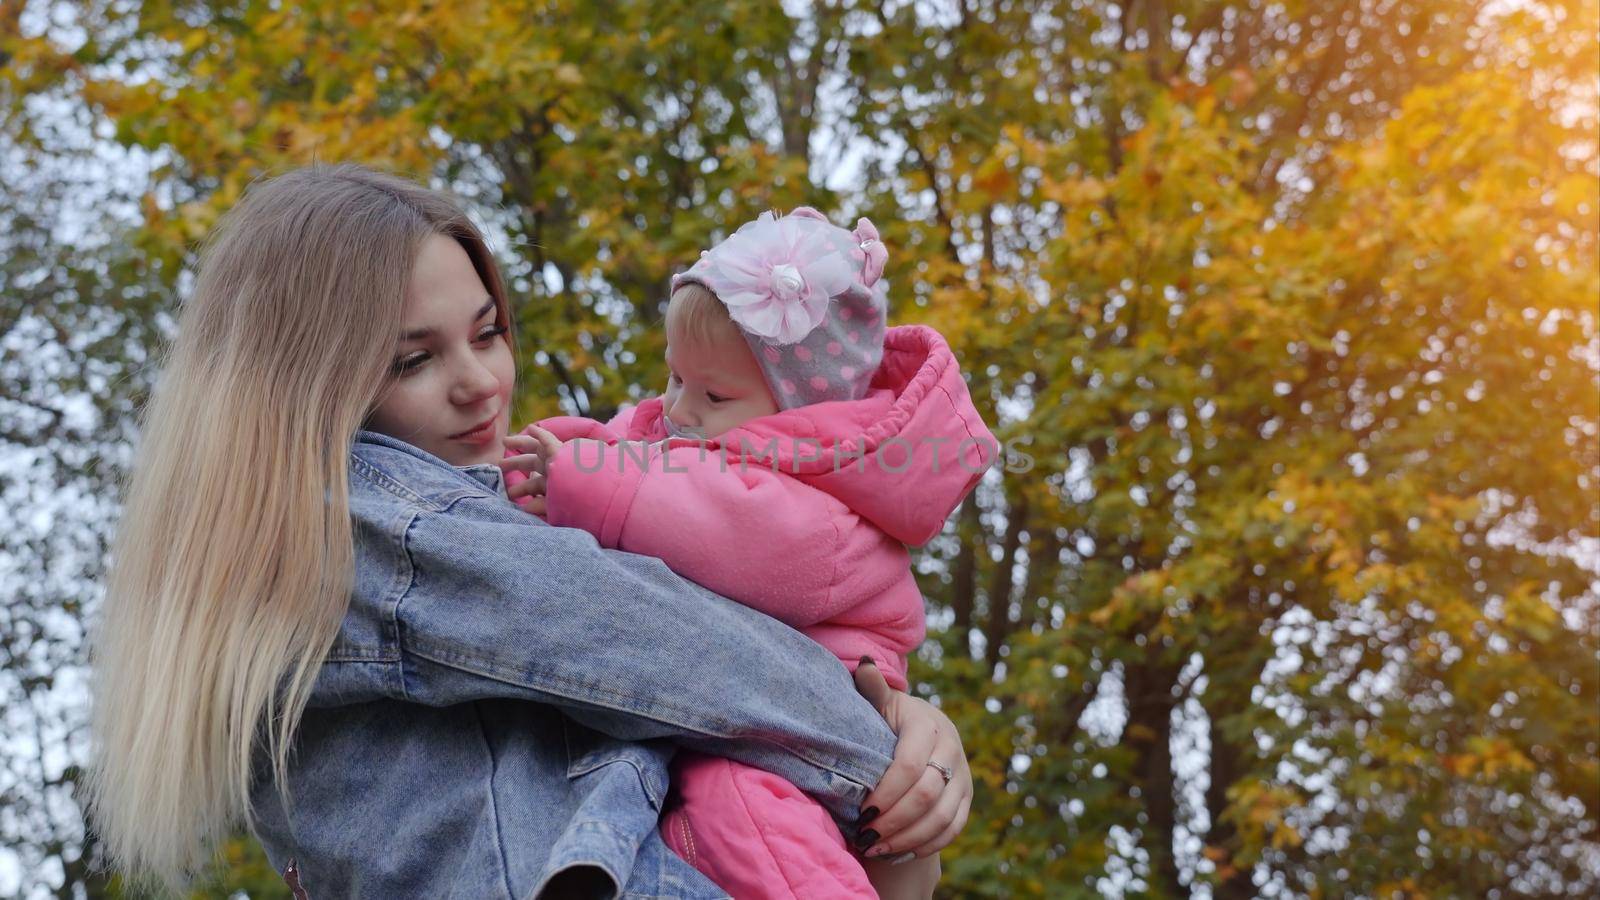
(486, 475)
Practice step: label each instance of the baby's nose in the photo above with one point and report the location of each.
(682, 412)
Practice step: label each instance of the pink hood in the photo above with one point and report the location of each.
(902, 457)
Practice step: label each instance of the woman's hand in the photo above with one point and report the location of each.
(913, 809)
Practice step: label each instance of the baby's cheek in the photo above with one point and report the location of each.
(742, 415)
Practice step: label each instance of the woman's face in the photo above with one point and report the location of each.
(453, 374)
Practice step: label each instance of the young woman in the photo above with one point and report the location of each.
(326, 620)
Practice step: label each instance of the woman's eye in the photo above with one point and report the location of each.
(408, 364)
(490, 333)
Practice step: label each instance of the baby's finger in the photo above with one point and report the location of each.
(532, 486)
(537, 505)
(522, 445)
(527, 463)
(551, 442)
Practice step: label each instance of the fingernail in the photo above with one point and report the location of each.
(907, 856)
(866, 838)
(877, 852)
(867, 815)
(867, 661)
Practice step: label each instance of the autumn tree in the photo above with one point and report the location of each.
(1289, 310)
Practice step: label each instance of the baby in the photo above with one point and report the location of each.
(799, 447)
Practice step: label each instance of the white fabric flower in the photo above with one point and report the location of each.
(776, 276)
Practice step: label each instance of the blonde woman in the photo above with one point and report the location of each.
(325, 621)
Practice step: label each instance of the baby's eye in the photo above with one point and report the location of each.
(715, 398)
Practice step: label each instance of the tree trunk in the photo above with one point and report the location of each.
(1158, 30)
(1149, 734)
(965, 589)
(1000, 583)
(1230, 762)
(1043, 563)
(1227, 762)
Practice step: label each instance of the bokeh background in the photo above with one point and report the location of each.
(1289, 309)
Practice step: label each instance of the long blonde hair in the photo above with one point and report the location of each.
(233, 564)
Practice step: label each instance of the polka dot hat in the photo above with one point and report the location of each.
(808, 297)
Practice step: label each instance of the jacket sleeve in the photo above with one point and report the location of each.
(754, 535)
(570, 427)
(628, 648)
(623, 420)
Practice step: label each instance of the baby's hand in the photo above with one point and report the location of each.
(533, 450)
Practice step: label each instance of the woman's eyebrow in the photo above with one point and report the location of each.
(417, 334)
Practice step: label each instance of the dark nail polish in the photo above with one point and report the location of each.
(867, 661)
(867, 815)
(866, 838)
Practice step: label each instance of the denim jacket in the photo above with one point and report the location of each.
(503, 697)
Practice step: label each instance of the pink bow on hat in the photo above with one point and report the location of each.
(875, 254)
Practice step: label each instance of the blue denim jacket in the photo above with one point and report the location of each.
(503, 698)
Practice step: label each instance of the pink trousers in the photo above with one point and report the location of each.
(756, 835)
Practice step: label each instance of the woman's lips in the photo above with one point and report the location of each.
(480, 434)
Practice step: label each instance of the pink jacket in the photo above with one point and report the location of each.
(804, 514)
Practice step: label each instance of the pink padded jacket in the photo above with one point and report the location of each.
(804, 514)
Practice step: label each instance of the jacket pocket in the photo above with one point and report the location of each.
(589, 751)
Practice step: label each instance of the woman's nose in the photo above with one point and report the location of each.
(474, 382)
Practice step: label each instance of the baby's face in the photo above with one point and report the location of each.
(715, 386)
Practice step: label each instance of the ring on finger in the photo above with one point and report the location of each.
(944, 771)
